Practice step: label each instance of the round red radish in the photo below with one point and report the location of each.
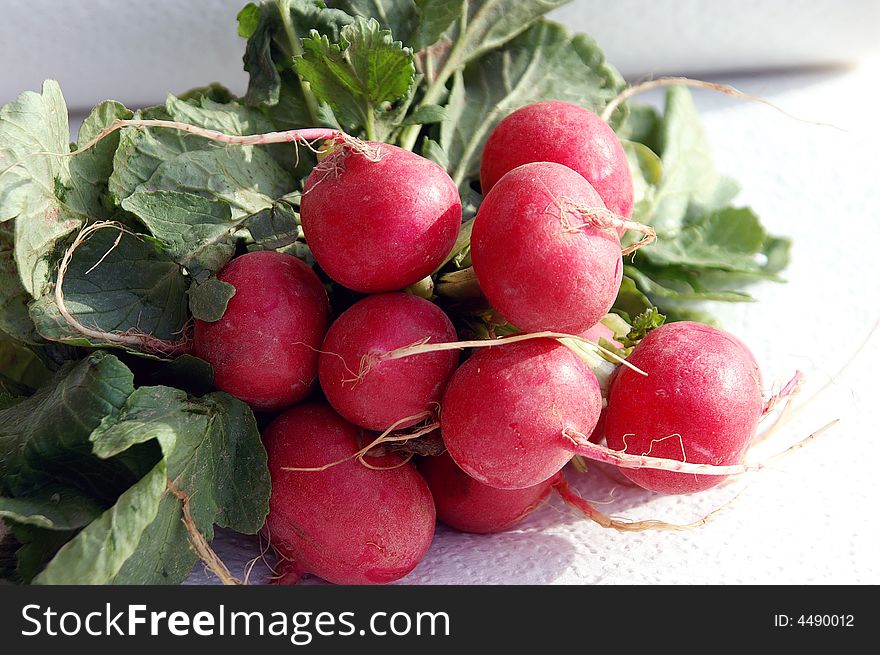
(700, 403)
(471, 506)
(506, 409)
(541, 267)
(384, 392)
(264, 348)
(567, 134)
(379, 225)
(347, 524)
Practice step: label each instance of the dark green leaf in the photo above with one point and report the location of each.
(45, 438)
(417, 23)
(14, 299)
(125, 286)
(20, 368)
(208, 299)
(274, 36)
(96, 554)
(434, 151)
(213, 453)
(492, 23)
(630, 301)
(52, 507)
(642, 324)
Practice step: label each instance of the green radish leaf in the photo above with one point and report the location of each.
(278, 228)
(689, 173)
(426, 115)
(358, 75)
(14, 299)
(123, 286)
(32, 548)
(630, 301)
(186, 372)
(274, 31)
(647, 170)
(21, 370)
(213, 453)
(91, 170)
(706, 249)
(192, 228)
(52, 507)
(434, 151)
(492, 23)
(44, 439)
(545, 62)
(98, 552)
(727, 239)
(417, 23)
(32, 129)
(678, 284)
(208, 299)
(245, 177)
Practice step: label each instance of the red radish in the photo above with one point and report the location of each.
(567, 134)
(471, 506)
(506, 409)
(347, 524)
(264, 348)
(700, 403)
(539, 262)
(385, 392)
(379, 225)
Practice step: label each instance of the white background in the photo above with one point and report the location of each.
(809, 519)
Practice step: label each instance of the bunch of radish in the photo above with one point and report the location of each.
(547, 254)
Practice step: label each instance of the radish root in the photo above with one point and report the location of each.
(385, 437)
(304, 137)
(726, 89)
(603, 219)
(425, 346)
(199, 543)
(582, 446)
(573, 499)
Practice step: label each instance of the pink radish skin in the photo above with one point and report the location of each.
(380, 225)
(264, 348)
(567, 134)
(389, 390)
(702, 384)
(470, 506)
(506, 409)
(348, 524)
(539, 268)
(601, 331)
